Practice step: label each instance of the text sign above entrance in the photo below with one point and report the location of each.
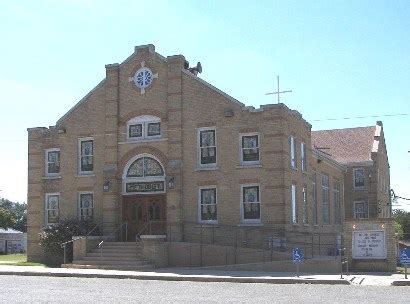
(143, 187)
(369, 244)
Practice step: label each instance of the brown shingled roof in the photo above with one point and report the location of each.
(346, 145)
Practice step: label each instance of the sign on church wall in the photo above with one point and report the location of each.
(142, 187)
(369, 244)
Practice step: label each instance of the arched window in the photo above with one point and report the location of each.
(143, 174)
(145, 166)
(144, 127)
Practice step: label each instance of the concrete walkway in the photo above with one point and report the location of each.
(200, 275)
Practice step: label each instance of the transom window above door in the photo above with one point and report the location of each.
(144, 127)
(145, 166)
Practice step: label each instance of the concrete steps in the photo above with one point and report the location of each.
(114, 255)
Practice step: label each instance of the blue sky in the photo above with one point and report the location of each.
(340, 58)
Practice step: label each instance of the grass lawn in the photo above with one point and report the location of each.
(17, 260)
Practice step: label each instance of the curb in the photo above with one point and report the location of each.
(182, 278)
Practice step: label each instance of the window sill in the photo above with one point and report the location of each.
(85, 175)
(208, 224)
(359, 189)
(140, 141)
(206, 168)
(51, 177)
(250, 225)
(247, 166)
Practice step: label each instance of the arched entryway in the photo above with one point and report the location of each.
(144, 198)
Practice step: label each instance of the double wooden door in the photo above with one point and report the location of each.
(144, 214)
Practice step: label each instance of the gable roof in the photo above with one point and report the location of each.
(349, 145)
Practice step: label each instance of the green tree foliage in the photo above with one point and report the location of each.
(13, 215)
(53, 236)
(402, 218)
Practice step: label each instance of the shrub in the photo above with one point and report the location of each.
(52, 236)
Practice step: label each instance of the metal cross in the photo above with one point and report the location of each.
(278, 92)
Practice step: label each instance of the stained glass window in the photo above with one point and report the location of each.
(251, 203)
(135, 130)
(52, 208)
(143, 78)
(250, 148)
(53, 162)
(208, 205)
(87, 156)
(145, 166)
(207, 147)
(86, 206)
(154, 129)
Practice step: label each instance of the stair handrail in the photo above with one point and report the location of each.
(138, 235)
(100, 244)
(64, 244)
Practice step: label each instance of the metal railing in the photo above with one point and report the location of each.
(64, 244)
(113, 234)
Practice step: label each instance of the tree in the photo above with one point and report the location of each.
(402, 218)
(13, 215)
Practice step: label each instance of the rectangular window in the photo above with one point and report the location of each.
(208, 205)
(250, 148)
(52, 213)
(292, 152)
(358, 178)
(336, 202)
(325, 200)
(86, 155)
(86, 205)
(52, 165)
(314, 197)
(303, 156)
(154, 129)
(360, 210)
(207, 147)
(294, 205)
(305, 206)
(251, 209)
(135, 131)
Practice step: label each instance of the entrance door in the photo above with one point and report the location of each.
(144, 214)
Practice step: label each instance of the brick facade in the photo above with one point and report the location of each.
(184, 104)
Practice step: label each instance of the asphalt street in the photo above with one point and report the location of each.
(18, 289)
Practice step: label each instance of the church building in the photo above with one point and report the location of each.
(154, 143)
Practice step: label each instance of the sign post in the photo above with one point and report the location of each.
(297, 258)
(405, 259)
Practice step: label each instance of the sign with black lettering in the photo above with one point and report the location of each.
(141, 187)
(369, 244)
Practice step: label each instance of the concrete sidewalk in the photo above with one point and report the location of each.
(200, 275)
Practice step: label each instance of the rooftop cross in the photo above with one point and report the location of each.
(278, 92)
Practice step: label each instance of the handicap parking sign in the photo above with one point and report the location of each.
(405, 256)
(297, 255)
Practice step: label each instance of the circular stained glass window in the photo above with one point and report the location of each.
(143, 78)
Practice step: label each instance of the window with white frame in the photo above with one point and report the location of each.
(250, 148)
(86, 202)
(250, 204)
(358, 178)
(208, 205)
(52, 162)
(336, 202)
(144, 127)
(86, 155)
(303, 156)
(360, 210)
(314, 197)
(325, 200)
(294, 204)
(305, 205)
(207, 147)
(52, 207)
(292, 152)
